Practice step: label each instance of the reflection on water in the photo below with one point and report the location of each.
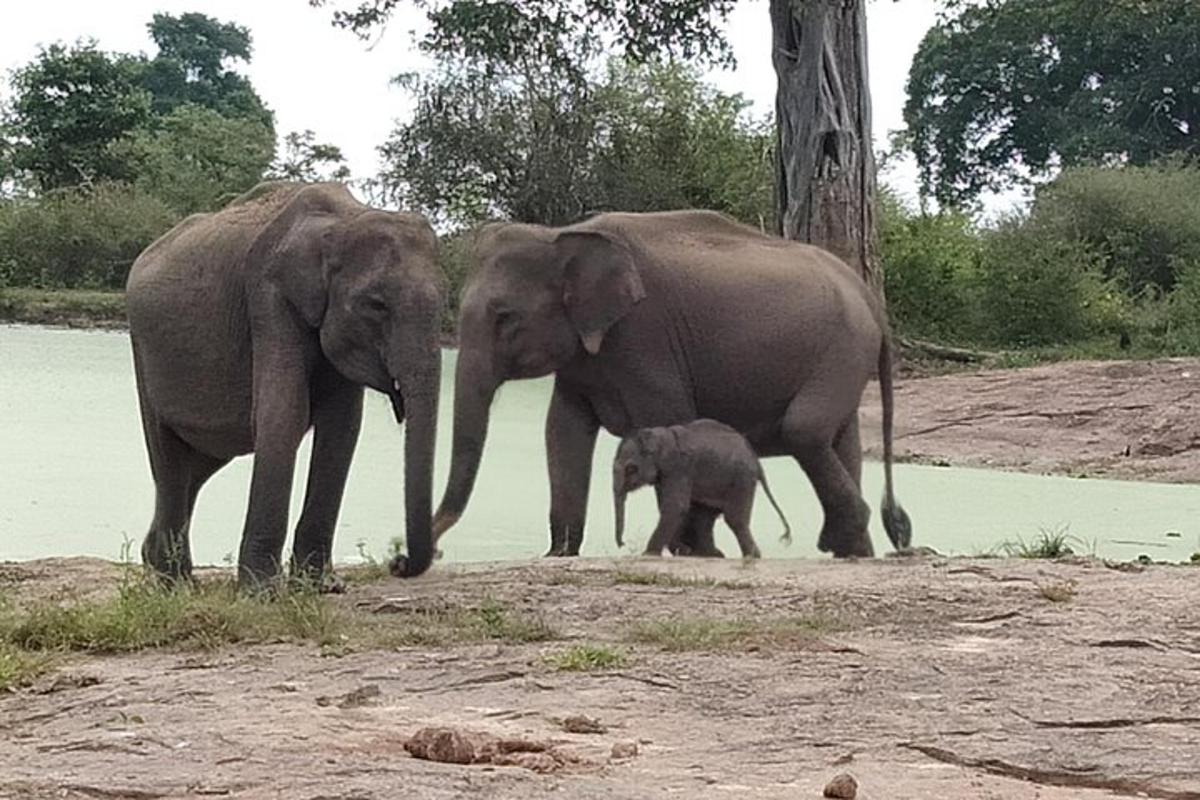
(74, 479)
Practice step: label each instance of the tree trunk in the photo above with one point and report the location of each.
(825, 179)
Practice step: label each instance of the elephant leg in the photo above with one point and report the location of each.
(849, 449)
(809, 428)
(337, 419)
(281, 416)
(674, 502)
(571, 429)
(179, 471)
(697, 538)
(737, 517)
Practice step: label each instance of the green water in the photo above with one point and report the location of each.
(74, 479)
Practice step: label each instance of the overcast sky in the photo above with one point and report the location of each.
(315, 76)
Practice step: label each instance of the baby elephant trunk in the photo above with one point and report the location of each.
(619, 504)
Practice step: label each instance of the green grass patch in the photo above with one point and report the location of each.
(19, 667)
(702, 634)
(669, 580)
(143, 614)
(586, 658)
(75, 307)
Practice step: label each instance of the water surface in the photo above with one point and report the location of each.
(74, 479)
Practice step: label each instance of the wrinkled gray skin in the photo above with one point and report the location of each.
(255, 323)
(703, 467)
(652, 320)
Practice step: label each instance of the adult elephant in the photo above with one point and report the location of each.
(257, 322)
(651, 320)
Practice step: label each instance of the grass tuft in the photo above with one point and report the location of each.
(586, 658)
(1046, 545)
(680, 635)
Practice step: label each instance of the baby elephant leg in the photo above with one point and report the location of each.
(737, 517)
(697, 536)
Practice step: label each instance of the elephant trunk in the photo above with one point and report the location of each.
(420, 392)
(474, 388)
(619, 510)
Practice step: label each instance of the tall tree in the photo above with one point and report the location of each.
(195, 66)
(68, 106)
(825, 181)
(1004, 92)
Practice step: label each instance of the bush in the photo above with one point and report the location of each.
(1144, 222)
(78, 238)
(930, 265)
(1039, 288)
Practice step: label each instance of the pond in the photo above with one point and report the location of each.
(74, 480)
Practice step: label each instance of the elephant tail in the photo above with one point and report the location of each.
(895, 521)
(787, 529)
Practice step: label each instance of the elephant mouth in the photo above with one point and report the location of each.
(397, 399)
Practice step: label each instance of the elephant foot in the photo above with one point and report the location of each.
(559, 551)
(685, 550)
(846, 545)
(165, 562)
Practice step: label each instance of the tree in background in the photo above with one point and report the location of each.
(195, 158)
(306, 159)
(1002, 92)
(539, 149)
(825, 177)
(68, 106)
(194, 66)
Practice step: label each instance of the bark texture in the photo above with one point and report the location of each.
(825, 186)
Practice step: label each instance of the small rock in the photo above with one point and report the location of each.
(578, 723)
(450, 746)
(843, 786)
(362, 696)
(624, 750)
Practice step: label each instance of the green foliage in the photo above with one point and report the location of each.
(1047, 544)
(1037, 288)
(667, 140)
(195, 157)
(194, 67)
(586, 658)
(930, 269)
(1143, 221)
(1000, 91)
(78, 237)
(306, 159)
(67, 106)
(561, 35)
(536, 148)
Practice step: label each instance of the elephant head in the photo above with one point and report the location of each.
(369, 284)
(538, 299)
(637, 464)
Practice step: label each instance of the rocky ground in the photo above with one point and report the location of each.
(1135, 420)
(922, 678)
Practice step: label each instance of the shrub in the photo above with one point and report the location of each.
(77, 238)
(1144, 222)
(1039, 288)
(930, 265)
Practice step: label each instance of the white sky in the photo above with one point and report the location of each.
(315, 76)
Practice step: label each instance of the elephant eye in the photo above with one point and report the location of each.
(373, 307)
(507, 321)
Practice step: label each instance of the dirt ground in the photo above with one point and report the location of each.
(928, 678)
(924, 678)
(1137, 420)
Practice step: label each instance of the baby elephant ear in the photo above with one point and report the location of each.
(601, 283)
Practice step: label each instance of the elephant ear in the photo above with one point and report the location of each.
(601, 283)
(302, 263)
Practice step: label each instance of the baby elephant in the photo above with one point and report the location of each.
(704, 463)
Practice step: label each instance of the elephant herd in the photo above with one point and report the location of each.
(270, 317)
